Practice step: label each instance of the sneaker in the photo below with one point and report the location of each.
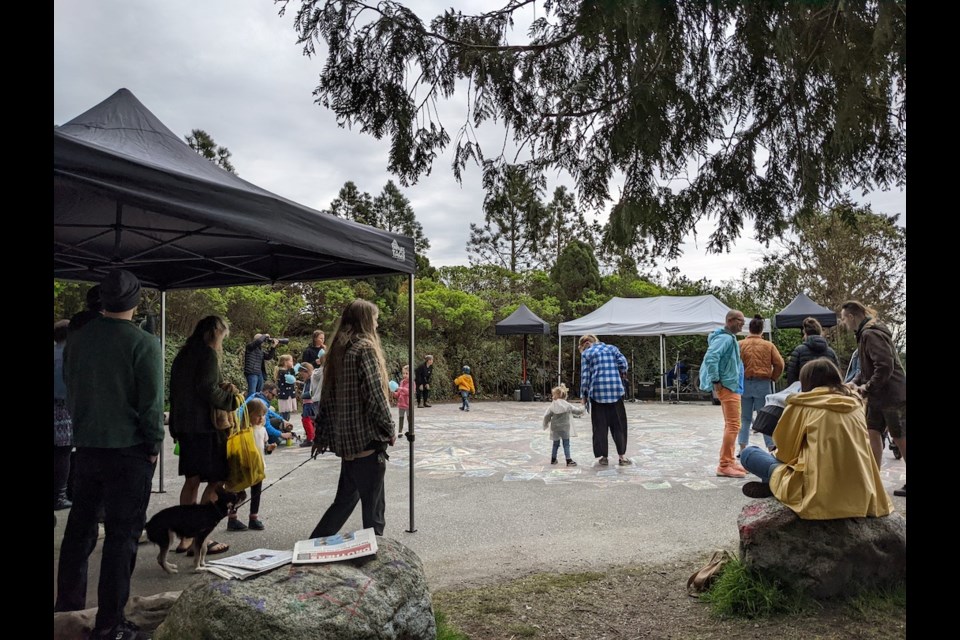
(733, 471)
(467, 409)
(270, 447)
(623, 461)
(902, 491)
(427, 405)
(571, 463)
(255, 524)
(553, 461)
(461, 408)
(126, 630)
(757, 490)
(234, 524)
(603, 461)
(306, 443)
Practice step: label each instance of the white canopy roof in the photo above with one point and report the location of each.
(661, 315)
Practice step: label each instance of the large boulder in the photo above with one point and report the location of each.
(825, 558)
(382, 597)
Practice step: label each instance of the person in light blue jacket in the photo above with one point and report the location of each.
(722, 372)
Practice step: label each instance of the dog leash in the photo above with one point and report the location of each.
(309, 458)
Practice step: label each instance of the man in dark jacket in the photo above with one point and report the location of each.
(881, 379)
(255, 356)
(114, 376)
(422, 377)
(813, 346)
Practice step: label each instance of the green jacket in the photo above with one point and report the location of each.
(722, 362)
(114, 375)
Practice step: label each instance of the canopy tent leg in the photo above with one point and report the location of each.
(662, 359)
(559, 355)
(163, 357)
(410, 431)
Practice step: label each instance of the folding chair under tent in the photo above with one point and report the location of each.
(656, 316)
(129, 193)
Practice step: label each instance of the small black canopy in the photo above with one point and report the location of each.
(129, 193)
(803, 307)
(522, 321)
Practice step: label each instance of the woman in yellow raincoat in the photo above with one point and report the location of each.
(823, 467)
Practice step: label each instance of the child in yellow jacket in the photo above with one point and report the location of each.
(464, 383)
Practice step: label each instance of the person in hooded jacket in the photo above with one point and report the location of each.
(813, 346)
(881, 379)
(823, 467)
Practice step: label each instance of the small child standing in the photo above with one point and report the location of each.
(402, 394)
(285, 375)
(557, 418)
(257, 413)
(309, 407)
(464, 384)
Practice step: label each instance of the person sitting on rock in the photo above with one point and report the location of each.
(823, 467)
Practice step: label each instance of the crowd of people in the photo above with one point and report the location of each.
(822, 460)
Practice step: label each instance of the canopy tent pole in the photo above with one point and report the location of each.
(410, 432)
(524, 358)
(163, 358)
(559, 355)
(662, 370)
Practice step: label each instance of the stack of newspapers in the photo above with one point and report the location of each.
(342, 546)
(248, 564)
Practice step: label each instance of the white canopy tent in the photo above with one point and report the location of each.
(658, 316)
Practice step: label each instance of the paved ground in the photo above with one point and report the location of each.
(489, 505)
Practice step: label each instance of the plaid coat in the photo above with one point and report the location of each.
(354, 414)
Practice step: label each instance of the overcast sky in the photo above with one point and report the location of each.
(233, 68)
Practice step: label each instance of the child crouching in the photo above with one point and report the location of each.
(557, 418)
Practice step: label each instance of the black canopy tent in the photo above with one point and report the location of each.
(129, 193)
(803, 307)
(522, 322)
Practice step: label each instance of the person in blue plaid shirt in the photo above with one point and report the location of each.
(601, 391)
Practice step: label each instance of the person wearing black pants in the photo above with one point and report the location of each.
(361, 480)
(612, 416)
(354, 420)
(422, 379)
(602, 368)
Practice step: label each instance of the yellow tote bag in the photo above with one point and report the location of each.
(244, 462)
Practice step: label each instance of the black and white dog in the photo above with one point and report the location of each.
(195, 521)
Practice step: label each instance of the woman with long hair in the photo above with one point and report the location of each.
(195, 391)
(823, 467)
(354, 420)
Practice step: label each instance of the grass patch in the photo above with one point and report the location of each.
(445, 630)
(523, 630)
(879, 601)
(743, 593)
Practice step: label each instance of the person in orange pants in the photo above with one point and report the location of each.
(722, 372)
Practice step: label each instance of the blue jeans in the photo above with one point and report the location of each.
(556, 448)
(759, 462)
(754, 396)
(254, 382)
(466, 399)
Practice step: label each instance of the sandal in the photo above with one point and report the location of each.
(213, 548)
(184, 545)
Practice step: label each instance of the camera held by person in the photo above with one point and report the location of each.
(278, 340)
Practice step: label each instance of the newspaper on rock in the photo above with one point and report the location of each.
(346, 546)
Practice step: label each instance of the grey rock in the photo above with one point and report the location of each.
(825, 558)
(383, 597)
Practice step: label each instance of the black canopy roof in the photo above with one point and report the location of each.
(803, 307)
(129, 193)
(522, 321)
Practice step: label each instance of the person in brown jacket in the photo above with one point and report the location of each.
(762, 364)
(881, 380)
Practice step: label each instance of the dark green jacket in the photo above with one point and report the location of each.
(194, 390)
(114, 375)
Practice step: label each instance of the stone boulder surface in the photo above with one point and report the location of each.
(825, 558)
(383, 597)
